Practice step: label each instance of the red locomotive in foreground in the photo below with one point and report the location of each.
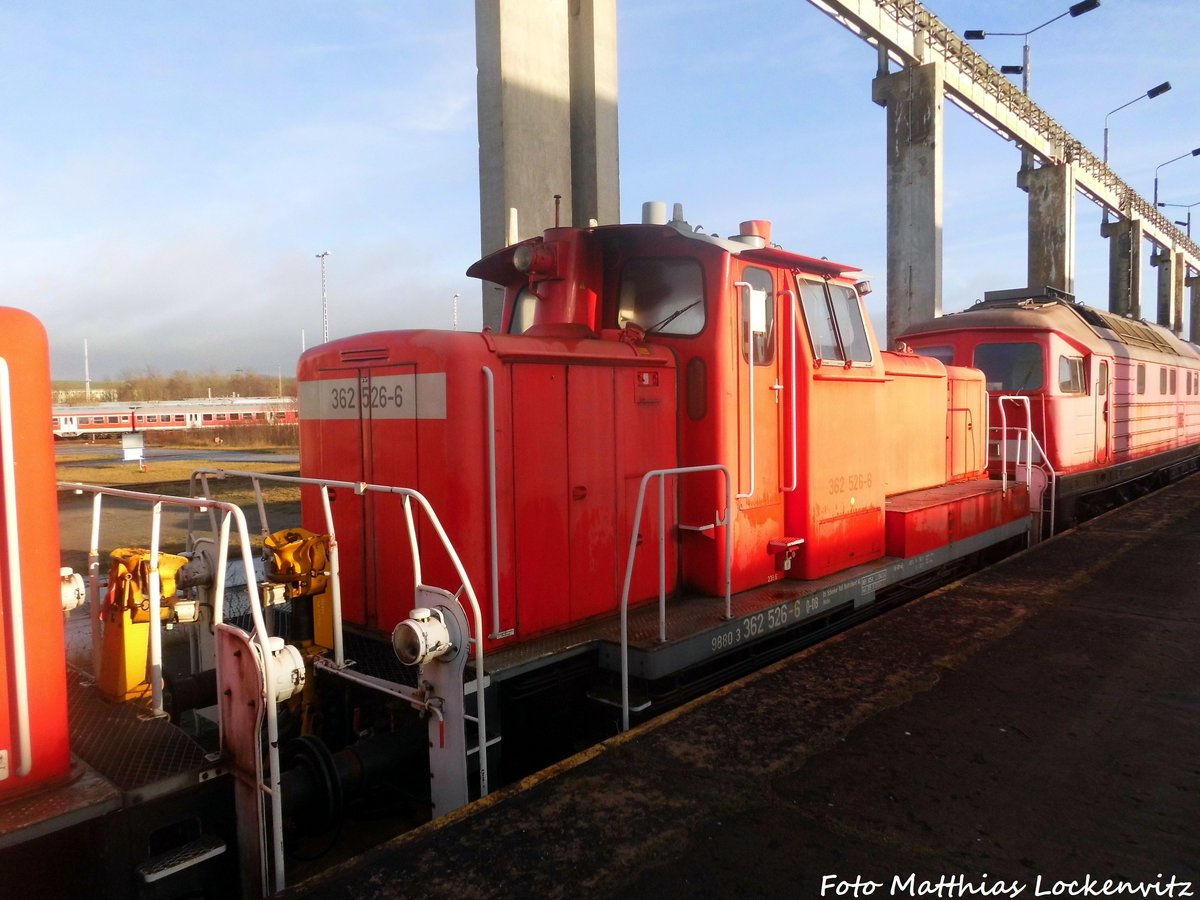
(1114, 403)
(680, 455)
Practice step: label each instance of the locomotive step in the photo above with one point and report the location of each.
(180, 858)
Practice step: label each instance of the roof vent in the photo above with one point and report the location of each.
(654, 212)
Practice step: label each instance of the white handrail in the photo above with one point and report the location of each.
(794, 470)
(493, 530)
(662, 594)
(1023, 402)
(746, 315)
(16, 597)
(1034, 444)
(273, 790)
(361, 487)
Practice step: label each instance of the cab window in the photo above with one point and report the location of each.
(523, 310)
(835, 323)
(664, 296)
(1015, 366)
(944, 355)
(758, 315)
(1070, 374)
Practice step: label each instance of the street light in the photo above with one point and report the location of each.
(1195, 152)
(1188, 207)
(1156, 91)
(324, 300)
(1077, 9)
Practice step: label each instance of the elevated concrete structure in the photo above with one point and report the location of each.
(547, 95)
(913, 98)
(1051, 256)
(1193, 283)
(1124, 266)
(1171, 276)
(908, 34)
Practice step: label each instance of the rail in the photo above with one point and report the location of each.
(16, 597)
(724, 521)
(409, 495)
(1025, 438)
(260, 635)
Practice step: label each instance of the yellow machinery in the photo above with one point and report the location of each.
(126, 616)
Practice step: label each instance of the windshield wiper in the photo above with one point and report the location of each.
(673, 316)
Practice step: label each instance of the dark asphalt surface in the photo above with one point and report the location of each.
(1038, 723)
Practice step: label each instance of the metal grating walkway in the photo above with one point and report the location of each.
(136, 754)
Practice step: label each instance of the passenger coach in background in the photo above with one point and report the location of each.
(1114, 403)
(104, 419)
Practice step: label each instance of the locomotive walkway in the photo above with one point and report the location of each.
(1034, 725)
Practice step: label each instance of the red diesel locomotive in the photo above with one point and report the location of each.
(1113, 402)
(631, 349)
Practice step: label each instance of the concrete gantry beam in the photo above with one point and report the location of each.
(907, 33)
(914, 101)
(547, 97)
(1124, 266)
(1051, 257)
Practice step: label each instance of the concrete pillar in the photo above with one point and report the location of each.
(1193, 283)
(547, 95)
(1179, 276)
(1051, 258)
(914, 99)
(1165, 261)
(595, 170)
(1124, 266)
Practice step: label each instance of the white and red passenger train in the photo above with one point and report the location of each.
(109, 418)
(679, 455)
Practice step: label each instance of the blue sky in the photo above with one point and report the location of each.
(171, 170)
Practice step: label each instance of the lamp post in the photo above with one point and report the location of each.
(1195, 152)
(1156, 91)
(1077, 9)
(324, 300)
(1188, 207)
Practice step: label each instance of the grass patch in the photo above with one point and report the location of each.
(171, 477)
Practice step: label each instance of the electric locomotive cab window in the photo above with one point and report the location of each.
(1141, 378)
(835, 323)
(758, 315)
(1173, 383)
(944, 355)
(1015, 366)
(1070, 374)
(663, 296)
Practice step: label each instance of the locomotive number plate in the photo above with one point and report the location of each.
(421, 396)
